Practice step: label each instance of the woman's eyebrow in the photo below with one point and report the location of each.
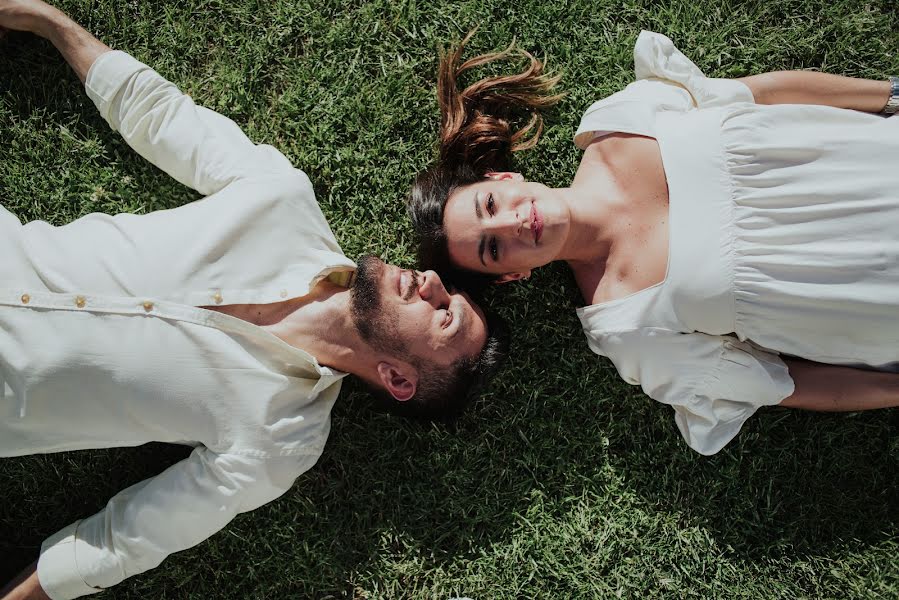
(481, 245)
(477, 208)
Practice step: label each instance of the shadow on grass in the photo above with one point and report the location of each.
(791, 484)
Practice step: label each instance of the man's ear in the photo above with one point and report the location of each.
(400, 381)
(503, 175)
(507, 277)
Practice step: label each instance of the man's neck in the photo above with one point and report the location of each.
(321, 323)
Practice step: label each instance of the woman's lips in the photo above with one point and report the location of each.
(536, 223)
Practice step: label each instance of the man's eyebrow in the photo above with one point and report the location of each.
(481, 246)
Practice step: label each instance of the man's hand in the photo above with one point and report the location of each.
(26, 585)
(29, 15)
(78, 47)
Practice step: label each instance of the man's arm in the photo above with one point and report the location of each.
(200, 148)
(142, 525)
(80, 50)
(834, 388)
(809, 87)
(25, 586)
(78, 47)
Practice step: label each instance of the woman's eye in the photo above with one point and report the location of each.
(491, 205)
(494, 249)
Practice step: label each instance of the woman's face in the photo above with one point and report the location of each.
(504, 226)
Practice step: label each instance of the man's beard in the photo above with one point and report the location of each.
(375, 325)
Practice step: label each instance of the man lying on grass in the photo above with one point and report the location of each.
(226, 324)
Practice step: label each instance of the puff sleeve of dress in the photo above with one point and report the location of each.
(713, 383)
(655, 57)
(665, 80)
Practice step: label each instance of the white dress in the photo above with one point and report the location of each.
(783, 239)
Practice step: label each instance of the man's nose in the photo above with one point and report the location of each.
(432, 289)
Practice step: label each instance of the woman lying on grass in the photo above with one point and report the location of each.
(736, 241)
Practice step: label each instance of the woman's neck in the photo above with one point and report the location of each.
(591, 216)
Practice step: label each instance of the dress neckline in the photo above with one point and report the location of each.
(597, 306)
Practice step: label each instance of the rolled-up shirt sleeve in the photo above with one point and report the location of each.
(199, 147)
(143, 524)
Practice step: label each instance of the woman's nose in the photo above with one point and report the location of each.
(506, 222)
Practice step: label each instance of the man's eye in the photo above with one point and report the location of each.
(491, 205)
(494, 249)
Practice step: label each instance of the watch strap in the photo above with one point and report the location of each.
(892, 105)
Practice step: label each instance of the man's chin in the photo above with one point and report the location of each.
(366, 287)
(369, 267)
(375, 323)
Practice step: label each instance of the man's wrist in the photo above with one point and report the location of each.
(26, 586)
(54, 25)
(76, 44)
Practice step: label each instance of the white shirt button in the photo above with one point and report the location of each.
(80, 301)
(217, 297)
(148, 306)
(25, 298)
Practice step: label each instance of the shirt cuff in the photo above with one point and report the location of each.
(107, 75)
(57, 568)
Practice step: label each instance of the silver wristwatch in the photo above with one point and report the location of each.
(893, 103)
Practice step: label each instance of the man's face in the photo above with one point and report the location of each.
(412, 316)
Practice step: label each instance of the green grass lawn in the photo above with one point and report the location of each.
(562, 482)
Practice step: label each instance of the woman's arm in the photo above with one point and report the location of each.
(834, 388)
(809, 87)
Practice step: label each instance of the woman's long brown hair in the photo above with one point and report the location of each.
(476, 123)
(478, 134)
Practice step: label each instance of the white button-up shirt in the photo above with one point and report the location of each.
(102, 343)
